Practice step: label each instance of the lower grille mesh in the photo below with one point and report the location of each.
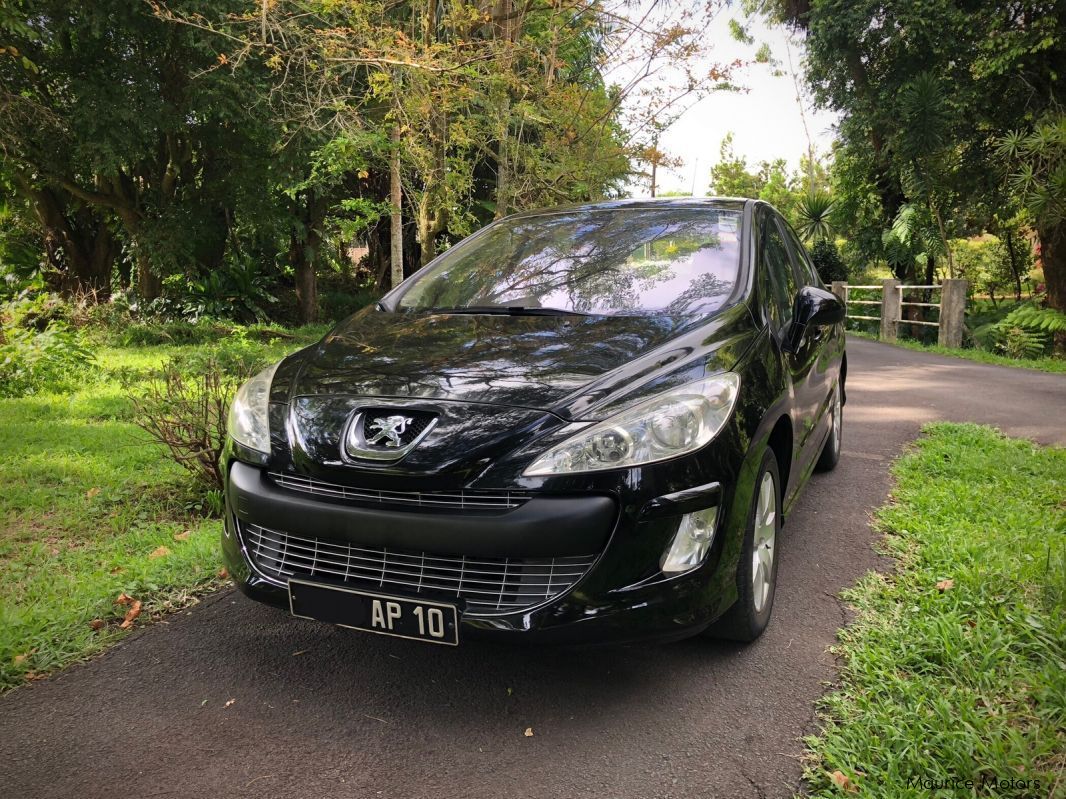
(488, 585)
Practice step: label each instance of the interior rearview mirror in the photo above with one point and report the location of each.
(814, 307)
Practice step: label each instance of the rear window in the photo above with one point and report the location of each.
(615, 262)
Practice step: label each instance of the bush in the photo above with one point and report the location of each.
(184, 406)
(51, 361)
(828, 262)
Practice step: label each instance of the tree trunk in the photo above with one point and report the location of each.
(1014, 266)
(396, 209)
(149, 284)
(1053, 259)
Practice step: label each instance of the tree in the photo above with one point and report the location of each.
(730, 177)
(926, 90)
(128, 134)
(813, 216)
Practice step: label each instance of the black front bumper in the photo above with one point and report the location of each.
(612, 547)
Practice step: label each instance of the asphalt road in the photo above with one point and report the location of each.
(234, 699)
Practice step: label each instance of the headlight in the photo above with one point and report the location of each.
(673, 423)
(248, 421)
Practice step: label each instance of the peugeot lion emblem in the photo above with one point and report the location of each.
(382, 434)
(390, 428)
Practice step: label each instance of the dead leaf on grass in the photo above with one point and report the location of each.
(123, 599)
(96, 624)
(945, 585)
(159, 552)
(131, 614)
(183, 535)
(92, 492)
(19, 659)
(529, 732)
(842, 781)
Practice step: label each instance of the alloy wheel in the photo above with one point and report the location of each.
(763, 542)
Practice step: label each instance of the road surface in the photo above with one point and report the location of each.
(235, 699)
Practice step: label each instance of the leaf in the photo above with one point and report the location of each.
(18, 660)
(123, 599)
(945, 585)
(159, 552)
(230, 702)
(131, 614)
(92, 492)
(183, 535)
(841, 780)
(529, 732)
(96, 624)
(223, 573)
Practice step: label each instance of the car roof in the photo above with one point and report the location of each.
(730, 203)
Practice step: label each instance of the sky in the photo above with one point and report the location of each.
(765, 120)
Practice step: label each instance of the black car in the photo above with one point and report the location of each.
(578, 425)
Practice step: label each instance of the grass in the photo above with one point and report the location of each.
(955, 668)
(91, 509)
(1045, 364)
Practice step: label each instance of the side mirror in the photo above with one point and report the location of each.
(814, 307)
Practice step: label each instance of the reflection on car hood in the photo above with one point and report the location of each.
(560, 364)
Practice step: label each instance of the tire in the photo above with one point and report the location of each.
(748, 617)
(827, 461)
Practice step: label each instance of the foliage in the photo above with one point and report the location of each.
(954, 665)
(1016, 342)
(731, 177)
(31, 362)
(813, 216)
(925, 90)
(1034, 317)
(1039, 159)
(827, 261)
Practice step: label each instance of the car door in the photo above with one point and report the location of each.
(779, 263)
(816, 357)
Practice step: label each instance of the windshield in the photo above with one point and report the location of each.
(616, 262)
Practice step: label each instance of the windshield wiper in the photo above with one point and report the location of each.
(508, 310)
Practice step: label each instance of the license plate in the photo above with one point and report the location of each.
(434, 622)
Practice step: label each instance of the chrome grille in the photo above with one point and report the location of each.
(462, 499)
(488, 585)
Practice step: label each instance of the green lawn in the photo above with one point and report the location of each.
(87, 504)
(956, 666)
(1046, 364)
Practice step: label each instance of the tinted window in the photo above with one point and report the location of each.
(805, 271)
(778, 267)
(671, 261)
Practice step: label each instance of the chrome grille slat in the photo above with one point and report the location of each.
(431, 563)
(488, 586)
(510, 585)
(458, 500)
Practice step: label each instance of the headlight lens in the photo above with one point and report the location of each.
(673, 423)
(248, 416)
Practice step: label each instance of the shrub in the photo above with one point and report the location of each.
(183, 405)
(828, 262)
(50, 361)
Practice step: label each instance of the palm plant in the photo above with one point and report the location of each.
(813, 216)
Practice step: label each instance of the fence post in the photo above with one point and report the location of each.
(890, 308)
(952, 312)
(840, 288)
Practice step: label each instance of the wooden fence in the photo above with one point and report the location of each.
(950, 307)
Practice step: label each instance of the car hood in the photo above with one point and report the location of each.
(560, 364)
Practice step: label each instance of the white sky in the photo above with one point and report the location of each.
(765, 120)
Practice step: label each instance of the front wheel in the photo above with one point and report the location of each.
(827, 461)
(757, 570)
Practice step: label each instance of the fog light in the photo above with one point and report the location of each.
(691, 542)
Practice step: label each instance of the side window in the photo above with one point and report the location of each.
(805, 271)
(777, 265)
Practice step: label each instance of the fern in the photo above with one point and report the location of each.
(1032, 317)
(1017, 342)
